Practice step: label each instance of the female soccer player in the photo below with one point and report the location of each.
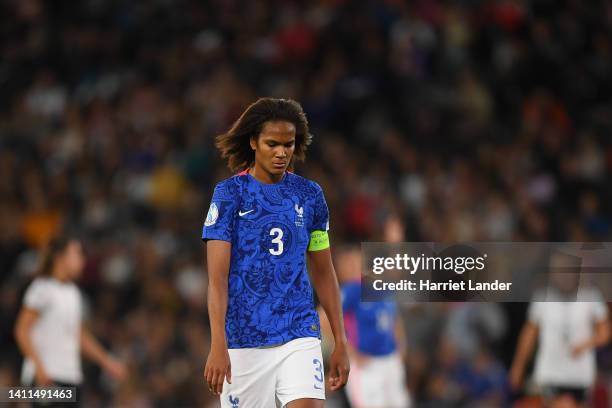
(567, 327)
(376, 335)
(260, 226)
(49, 330)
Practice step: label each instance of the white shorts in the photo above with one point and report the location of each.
(263, 376)
(378, 382)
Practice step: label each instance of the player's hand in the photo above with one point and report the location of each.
(339, 368)
(516, 378)
(579, 349)
(116, 369)
(41, 376)
(217, 368)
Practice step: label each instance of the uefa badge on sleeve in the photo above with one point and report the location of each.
(213, 214)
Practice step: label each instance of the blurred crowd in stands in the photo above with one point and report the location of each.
(472, 120)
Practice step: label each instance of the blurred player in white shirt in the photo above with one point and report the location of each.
(567, 332)
(49, 329)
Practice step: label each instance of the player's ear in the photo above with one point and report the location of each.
(253, 142)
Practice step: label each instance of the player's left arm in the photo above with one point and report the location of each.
(325, 284)
(601, 330)
(600, 338)
(92, 349)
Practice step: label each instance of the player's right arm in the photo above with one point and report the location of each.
(217, 234)
(218, 364)
(34, 301)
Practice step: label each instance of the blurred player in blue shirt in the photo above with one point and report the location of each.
(375, 335)
(260, 226)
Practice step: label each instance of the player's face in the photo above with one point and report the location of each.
(565, 273)
(274, 148)
(394, 230)
(73, 260)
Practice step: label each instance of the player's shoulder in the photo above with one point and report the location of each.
(308, 186)
(41, 281)
(39, 286)
(590, 294)
(229, 187)
(235, 179)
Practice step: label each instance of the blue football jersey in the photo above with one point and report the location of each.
(370, 326)
(270, 298)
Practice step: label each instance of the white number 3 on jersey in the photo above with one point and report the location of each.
(278, 240)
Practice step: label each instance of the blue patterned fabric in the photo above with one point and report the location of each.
(270, 299)
(370, 326)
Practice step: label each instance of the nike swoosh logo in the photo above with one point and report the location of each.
(240, 213)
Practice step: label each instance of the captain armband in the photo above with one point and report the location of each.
(319, 240)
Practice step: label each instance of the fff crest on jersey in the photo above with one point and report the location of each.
(213, 214)
(299, 213)
(234, 401)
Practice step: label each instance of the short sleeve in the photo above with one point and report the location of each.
(534, 313)
(350, 296)
(219, 223)
(320, 220)
(37, 296)
(599, 308)
(600, 311)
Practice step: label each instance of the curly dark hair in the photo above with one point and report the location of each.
(235, 144)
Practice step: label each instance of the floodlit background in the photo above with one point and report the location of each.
(471, 119)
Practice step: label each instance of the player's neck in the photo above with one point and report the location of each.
(263, 176)
(59, 274)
